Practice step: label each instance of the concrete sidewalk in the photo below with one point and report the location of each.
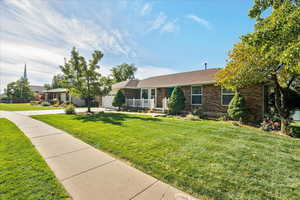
(87, 173)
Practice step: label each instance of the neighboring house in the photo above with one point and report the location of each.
(37, 89)
(296, 116)
(199, 89)
(38, 92)
(62, 95)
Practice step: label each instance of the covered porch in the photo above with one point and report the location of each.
(149, 98)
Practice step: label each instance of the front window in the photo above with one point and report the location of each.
(144, 93)
(152, 93)
(197, 95)
(227, 95)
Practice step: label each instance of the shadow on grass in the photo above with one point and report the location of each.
(111, 118)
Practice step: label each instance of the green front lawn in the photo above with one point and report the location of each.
(23, 172)
(22, 107)
(209, 159)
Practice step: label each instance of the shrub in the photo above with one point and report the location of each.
(70, 109)
(34, 103)
(45, 103)
(237, 109)
(192, 117)
(119, 100)
(269, 125)
(54, 101)
(295, 131)
(198, 112)
(176, 102)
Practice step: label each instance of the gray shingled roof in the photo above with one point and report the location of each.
(37, 88)
(126, 84)
(171, 80)
(55, 90)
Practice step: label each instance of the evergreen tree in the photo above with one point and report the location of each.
(237, 109)
(176, 103)
(19, 89)
(119, 100)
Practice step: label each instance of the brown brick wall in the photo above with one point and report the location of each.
(211, 100)
(254, 98)
(212, 105)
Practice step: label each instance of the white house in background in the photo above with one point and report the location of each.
(62, 95)
(297, 115)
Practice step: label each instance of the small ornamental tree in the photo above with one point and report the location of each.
(237, 109)
(176, 103)
(119, 100)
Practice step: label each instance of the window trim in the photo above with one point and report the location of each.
(222, 94)
(196, 95)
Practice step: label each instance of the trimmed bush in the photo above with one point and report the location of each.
(34, 103)
(237, 109)
(119, 100)
(192, 117)
(45, 103)
(176, 102)
(70, 109)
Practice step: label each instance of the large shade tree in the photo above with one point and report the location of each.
(271, 54)
(123, 72)
(83, 79)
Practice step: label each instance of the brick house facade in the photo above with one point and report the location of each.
(199, 89)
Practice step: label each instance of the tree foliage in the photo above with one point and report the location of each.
(119, 100)
(83, 78)
(19, 89)
(271, 54)
(176, 102)
(237, 109)
(260, 6)
(58, 81)
(123, 72)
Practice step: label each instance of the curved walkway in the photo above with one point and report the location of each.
(87, 173)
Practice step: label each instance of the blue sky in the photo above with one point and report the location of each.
(159, 37)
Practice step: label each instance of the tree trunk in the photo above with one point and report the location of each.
(285, 126)
(89, 104)
(281, 107)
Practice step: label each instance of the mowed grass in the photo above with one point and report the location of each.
(23, 172)
(208, 159)
(23, 107)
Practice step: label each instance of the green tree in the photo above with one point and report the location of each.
(268, 55)
(176, 102)
(237, 108)
(83, 78)
(19, 89)
(123, 72)
(58, 81)
(119, 100)
(47, 86)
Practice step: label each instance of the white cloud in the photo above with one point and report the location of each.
(146, 9)
(158, 22)
(170, 26)
(39, 33)
(162, 24)
(201, 21)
